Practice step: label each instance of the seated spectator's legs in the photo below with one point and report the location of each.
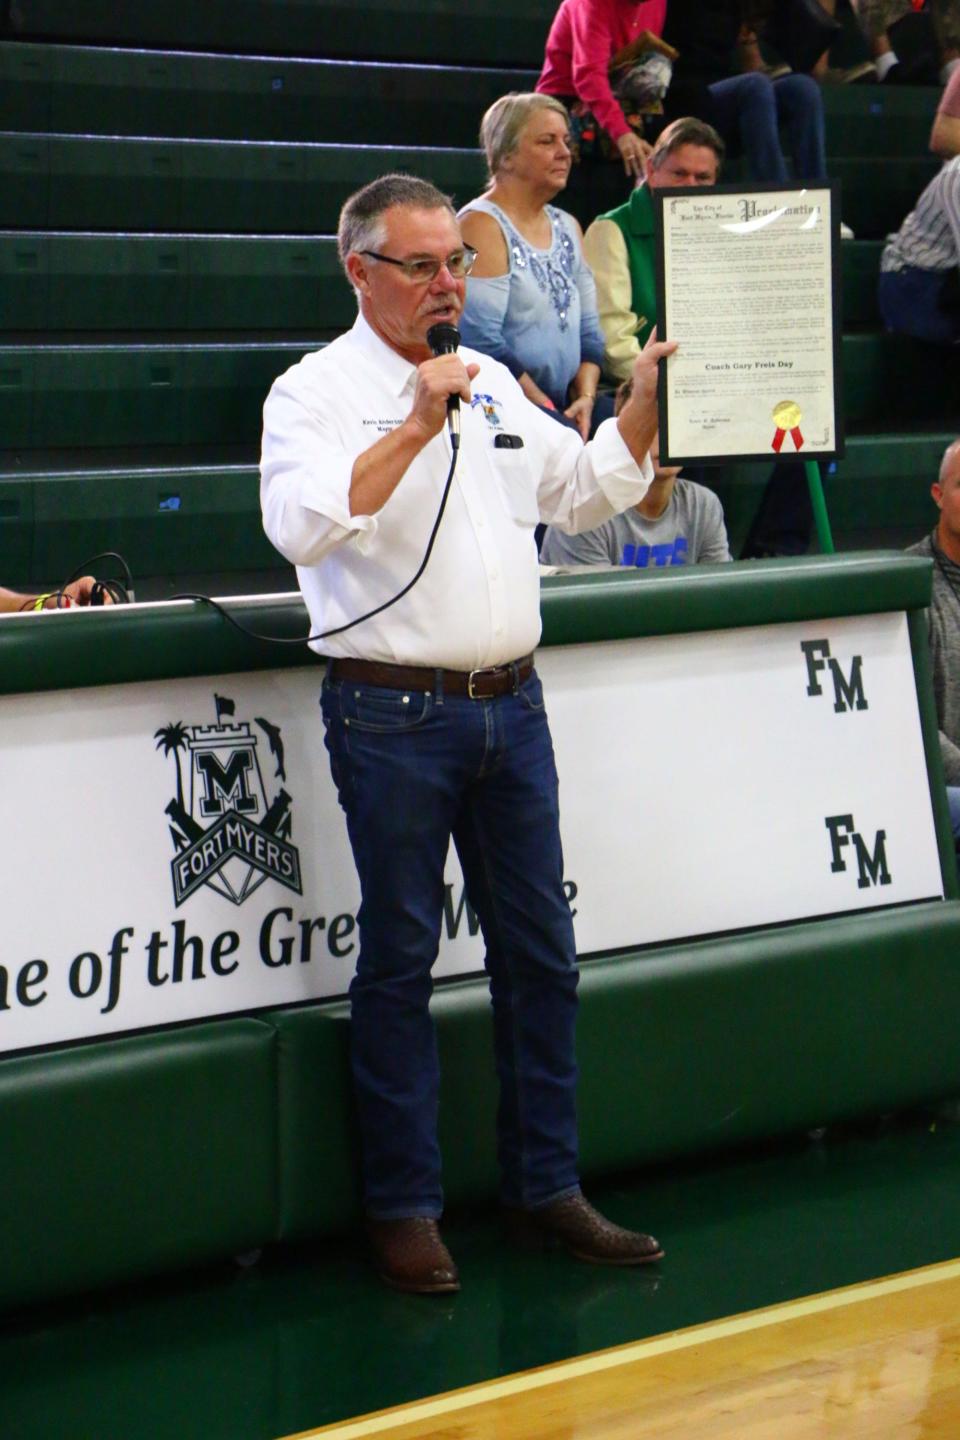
(953, 801)
(800, 108)
(745, 113)
(784, 517)
(911, 303)
(603, 409)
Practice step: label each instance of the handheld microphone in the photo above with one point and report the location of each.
(444, 339)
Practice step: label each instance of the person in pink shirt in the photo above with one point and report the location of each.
(583, 38)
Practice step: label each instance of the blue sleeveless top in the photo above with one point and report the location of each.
(541, 316)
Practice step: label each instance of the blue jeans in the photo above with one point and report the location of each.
(749, 109)
(911, 303)
(411, 770)
(953, 802)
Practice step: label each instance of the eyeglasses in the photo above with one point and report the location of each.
(460, 263)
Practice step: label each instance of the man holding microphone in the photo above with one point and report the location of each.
(435, 723)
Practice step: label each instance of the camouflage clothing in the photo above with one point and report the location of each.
(876, 16)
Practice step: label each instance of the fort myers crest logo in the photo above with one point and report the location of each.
(226, 832)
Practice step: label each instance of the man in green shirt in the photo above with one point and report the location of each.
(619, 246)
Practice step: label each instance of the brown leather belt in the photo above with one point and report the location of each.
(477, 684)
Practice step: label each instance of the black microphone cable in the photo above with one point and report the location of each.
(369, 614)
(120, 592)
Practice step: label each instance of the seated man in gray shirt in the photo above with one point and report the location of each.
(678, 522)
(943, 546)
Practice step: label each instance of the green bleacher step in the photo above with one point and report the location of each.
(212, 392)
(380, 29)
(66, 282)
(87, 90)
(70, 282)
(878, 494)
(77, 182)
(177, 520)
(878, 120)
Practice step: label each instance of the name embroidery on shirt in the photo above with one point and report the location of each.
(384, 426)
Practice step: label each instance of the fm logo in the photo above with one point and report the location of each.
(871, 864)
(847, 690)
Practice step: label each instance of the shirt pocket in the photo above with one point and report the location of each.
(516, 484)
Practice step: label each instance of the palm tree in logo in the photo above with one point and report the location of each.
(173, 737)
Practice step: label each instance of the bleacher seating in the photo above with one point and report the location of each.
(169, 187)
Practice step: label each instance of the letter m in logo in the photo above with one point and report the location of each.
(227, 785)
(848, 691)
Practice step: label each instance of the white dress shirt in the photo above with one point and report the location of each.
(478, 601)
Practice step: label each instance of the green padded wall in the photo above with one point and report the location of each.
(317, 1189)
(682, 1049)
(128, 1157)
(707, 1046)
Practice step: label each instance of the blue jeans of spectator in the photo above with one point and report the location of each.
(953, 802)
(411, 770)
(911, 303)
(749, 110)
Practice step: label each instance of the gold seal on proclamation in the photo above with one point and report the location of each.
(786, 415)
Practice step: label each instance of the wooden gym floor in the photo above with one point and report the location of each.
(309, 1338)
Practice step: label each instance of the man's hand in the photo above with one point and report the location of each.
(638, 418)
(81, 592)
(633, 152)
(646, 367)
(437, 380)
(378, 471)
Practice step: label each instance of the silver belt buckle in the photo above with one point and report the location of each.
(489, 670)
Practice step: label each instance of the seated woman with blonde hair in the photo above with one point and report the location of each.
(531, 301)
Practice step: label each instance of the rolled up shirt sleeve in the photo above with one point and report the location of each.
(582, 485)
(305, 482)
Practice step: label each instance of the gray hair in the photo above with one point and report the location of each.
(502, 124)
(686, 131)
(951, 453)
(361, 225)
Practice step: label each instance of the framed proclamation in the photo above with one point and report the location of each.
(749, 288)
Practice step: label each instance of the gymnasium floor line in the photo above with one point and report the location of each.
(414, 1416)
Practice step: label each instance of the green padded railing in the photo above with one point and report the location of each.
(154, 642)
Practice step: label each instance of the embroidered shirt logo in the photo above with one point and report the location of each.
(488, 406)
